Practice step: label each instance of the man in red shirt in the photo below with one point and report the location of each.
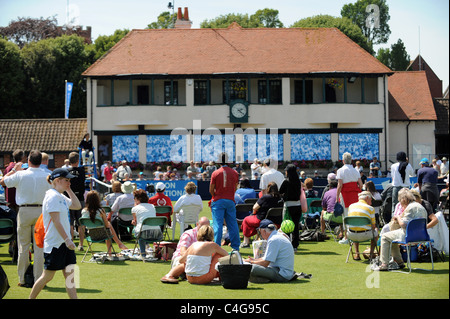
(160, 199)
(223, 185)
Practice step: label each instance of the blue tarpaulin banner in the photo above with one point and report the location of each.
(69, 87)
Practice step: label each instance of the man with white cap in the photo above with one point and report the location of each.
(160, 199)
(362, 233)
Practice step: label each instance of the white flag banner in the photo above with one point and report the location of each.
(69, 87)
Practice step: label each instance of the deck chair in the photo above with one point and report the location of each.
(356, 221)
(122, 223)
(242, 211)
(188, 215)
(334, 218)
(416, 233)
(275, 214)
(165, 211)
(7, 233)
(96, 233)
(313, 212)
(160, 221)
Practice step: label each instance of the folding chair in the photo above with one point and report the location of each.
(165, 211)
(242, 211)
(275, 214)
(7, 234)
(356, 221)
(416, 233)
(379, 218)
(337, 219)
(122, 223)
(160, 221)
(188, 215)
(96, 233)
(250, 200)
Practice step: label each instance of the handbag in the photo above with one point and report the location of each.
(234, 276)
(338, 209)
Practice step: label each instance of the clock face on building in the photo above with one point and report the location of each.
(238, 111)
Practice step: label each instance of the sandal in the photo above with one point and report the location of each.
(383, 267)
(356, 256)
(169, 280)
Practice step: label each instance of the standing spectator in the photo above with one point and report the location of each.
(255, 169)
(58, 245)
(77, 184)
(238, 168)
(291, 190)
(10, 192)
(161, 199)
(123, 171)
(427, 178)
(211, 168)
(400, 173)
(349, 185)
(86, 149)
(222, 188)
(270, 175)
(444, 167)
(44, 163)
(108, 172)
(31, 185)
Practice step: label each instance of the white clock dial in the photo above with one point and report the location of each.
(239, 110)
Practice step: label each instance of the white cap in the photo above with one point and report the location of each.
(160, 186)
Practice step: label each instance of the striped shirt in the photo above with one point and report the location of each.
(361, 208)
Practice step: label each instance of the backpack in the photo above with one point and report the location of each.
(312, 235)
(39, 231)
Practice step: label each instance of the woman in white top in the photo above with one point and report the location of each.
(199, 260)
(58, 246)
(140, 212)
(190, 198)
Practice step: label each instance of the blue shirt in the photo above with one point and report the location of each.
(280, 253)
(243, 193)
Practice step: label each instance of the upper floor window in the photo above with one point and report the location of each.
(170, 92)
(298, 91)
(237, 89)
(200, 92)
(269, 92)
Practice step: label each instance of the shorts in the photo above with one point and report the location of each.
(59, 258)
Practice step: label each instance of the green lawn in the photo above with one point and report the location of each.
(332, 279)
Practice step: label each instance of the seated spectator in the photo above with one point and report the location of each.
(328, 202)
(412, 210)
(200, 259)
(309, 191)
(190, 198)
(93, 210)
(111, 197)
(370, 187)
(363, 233)
(251, 223)
(277, 265)
(244, 191)
(160, 199)
(140, 212)
(126, 200)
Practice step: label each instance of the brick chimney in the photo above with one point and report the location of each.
(183, 22)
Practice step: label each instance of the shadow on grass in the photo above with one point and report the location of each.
(79, 290)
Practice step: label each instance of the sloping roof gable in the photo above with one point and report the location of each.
(410, 97)
(235, 50)
(47, 135)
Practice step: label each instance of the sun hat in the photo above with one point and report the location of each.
(160, 187)
(128, 187)
(60, 172)
(267, 223)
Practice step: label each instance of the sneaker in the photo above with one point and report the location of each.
(80, 248)
(343, 241)
(243, 245)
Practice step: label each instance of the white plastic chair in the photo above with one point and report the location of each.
(188, 215)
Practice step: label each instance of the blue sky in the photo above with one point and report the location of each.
(431, 17)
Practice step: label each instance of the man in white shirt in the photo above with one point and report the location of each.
(122, 170)
(444, 167)
(271, 175)
(31, 185)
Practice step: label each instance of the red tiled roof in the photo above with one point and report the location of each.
(47, 135)
(410, 97)
(235, 49)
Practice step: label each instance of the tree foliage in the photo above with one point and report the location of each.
(372, 17)
(345, 25)
(165, 21)
(265, 18)
(105, 42)
(26, 30)
(396, 58)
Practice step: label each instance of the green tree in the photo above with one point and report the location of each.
(223, 21)
(396, 58)
(12, 80)
(384, 56)
(372, 17)
(48, 64)
(268, 18)
(105, 42)
(345, 25)
(165, 20)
